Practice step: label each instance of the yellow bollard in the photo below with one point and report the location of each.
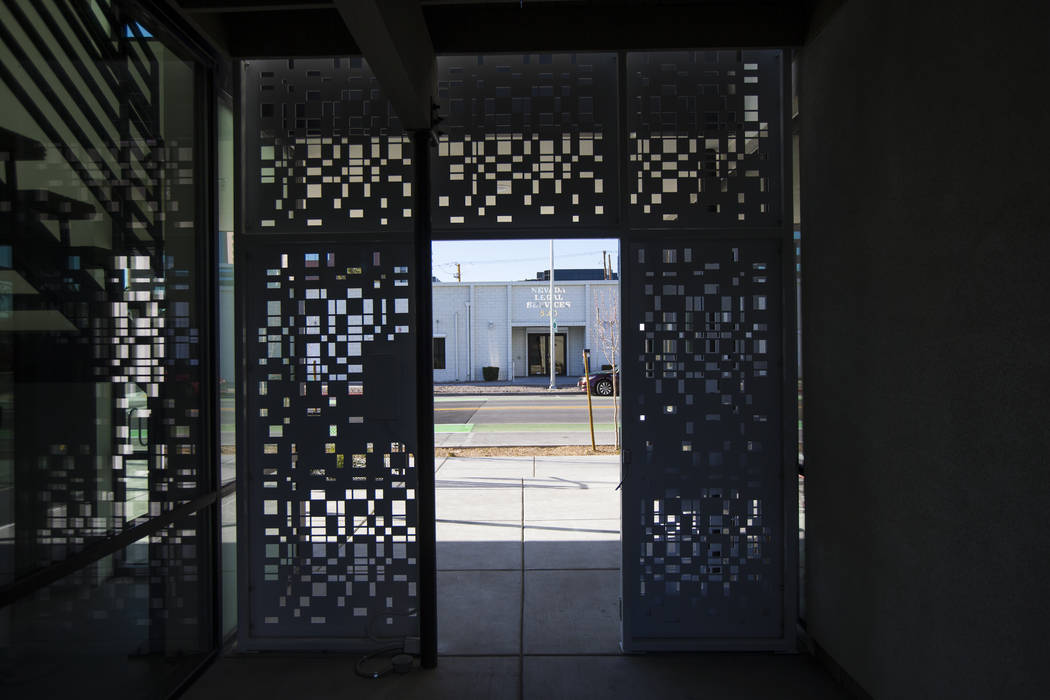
(587, 385)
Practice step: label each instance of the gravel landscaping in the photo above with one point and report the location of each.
(555, 451)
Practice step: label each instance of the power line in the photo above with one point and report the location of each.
(518, 260)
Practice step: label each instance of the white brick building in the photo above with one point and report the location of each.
(505, 325)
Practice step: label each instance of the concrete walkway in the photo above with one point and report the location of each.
(528, 596)
(491, 436)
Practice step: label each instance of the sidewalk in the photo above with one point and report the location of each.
(520, 385)
(493, 436)
(528, 555)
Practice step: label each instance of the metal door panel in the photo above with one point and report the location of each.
(331, 424)
(703, 498)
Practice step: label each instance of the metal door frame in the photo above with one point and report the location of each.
(783, 234)
(789, 464)
(425, 233)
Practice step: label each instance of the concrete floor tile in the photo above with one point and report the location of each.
(572, 544)
(528, 438)
(583, 478)
(572, 612)
(575, 555)
(463, 479)
(332, 676)
(478, 546)
(573, 530)
(577, 503)
(503, 467)
(479, 504)
(592, 460)
(710, 676)
(455, 530)
(476, 678)
(569, 474)
(479, 612)
(578, 471)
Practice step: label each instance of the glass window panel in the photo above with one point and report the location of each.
(227, 335)
(228, 557)
(99, 343)
(137, 618)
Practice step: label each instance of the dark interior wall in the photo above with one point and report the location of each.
(926, 237)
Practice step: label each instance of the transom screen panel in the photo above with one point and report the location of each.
(530, 141)
(331, 472)
(703, 135)
(324, 149)
(703, 504)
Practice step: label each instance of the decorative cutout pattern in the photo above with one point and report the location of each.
(707, 392)
(134, 347)
(138, 332)
(704, 142)
(531, 141)
(328, 149)
(332, 494)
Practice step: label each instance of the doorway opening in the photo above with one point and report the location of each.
(528, 516)
(540, 354)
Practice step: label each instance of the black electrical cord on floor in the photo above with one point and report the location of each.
(400, 661)
(375, 655)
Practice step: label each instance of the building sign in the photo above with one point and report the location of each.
(541, 299)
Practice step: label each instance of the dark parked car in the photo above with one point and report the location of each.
(601, 383)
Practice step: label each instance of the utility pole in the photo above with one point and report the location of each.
(550, 312)
(459, 276)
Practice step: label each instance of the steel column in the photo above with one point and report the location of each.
(426, 533)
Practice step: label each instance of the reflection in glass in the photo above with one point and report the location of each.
(100, 372)
(227, 336)
(99, 344)
(228, 557)
(130, 618)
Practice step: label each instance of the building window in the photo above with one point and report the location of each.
(439, 353)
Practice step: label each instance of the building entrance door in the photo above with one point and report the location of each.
(540, 354)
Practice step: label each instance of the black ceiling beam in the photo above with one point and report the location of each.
(393, 38)
(254, 29)
(288, 34)
(553, 26)
(230, 6)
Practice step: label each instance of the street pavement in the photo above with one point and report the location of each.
(493, 420)
(490, 414)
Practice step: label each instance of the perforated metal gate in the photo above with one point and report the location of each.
(681, 155)
(328, 529)
(331, 395)
(708, 475)
(703, 498)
